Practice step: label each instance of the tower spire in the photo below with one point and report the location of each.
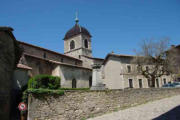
(76, 19)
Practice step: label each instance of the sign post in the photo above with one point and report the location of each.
(22, 107)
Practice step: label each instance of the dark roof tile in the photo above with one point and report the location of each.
(77, 29)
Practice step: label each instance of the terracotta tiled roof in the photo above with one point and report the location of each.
(56, 62)
(75, 30)
(49, 51)
(22, 66)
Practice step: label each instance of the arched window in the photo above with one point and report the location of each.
(74, 83)
(86, 43)
(72, 44)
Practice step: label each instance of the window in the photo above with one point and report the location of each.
(79, 56)
(90, 81)
(130, 83)
(164, 80)
(74, 83)
(44, 55)
(138, 69)
(140, 83)
(72, 44)
(149, 83)
(86, 43)
(147, 68)
(129, 68)
(157, 82)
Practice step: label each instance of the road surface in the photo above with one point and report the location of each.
(164, 109)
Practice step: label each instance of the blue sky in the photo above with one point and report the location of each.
(116, 25)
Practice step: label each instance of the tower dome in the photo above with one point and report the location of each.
(75, 30)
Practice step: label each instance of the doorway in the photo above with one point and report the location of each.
(74, 83)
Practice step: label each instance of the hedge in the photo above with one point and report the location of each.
(45, 91)
(44, 81)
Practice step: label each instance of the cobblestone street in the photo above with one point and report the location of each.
(164, 109)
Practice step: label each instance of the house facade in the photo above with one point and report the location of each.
(118, 72)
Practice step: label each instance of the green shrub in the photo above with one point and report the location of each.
(44, 81)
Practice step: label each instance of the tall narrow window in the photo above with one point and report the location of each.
(130, 83)
(140, 83)
(149, 82)
(86, 43)
(74, 83)
(157, 82)
(147, 68)
(138, 69)
(128, 68)
(72, 44)
(164, 80)
(90, 81)
(44, 55)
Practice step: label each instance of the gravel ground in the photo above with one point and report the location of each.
(164, 109)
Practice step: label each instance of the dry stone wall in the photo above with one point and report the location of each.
(79, 105)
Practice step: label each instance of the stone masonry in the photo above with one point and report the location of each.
(79, 105)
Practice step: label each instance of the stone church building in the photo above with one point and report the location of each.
(75, 66)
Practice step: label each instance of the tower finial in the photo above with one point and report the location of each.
(76, 19)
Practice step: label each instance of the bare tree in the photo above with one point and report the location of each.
(174, 58)
(152, 59)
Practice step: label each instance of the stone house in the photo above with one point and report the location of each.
(125, 74)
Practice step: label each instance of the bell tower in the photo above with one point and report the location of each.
(77, 41)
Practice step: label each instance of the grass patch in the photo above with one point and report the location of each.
(86, 89)
(83, 118)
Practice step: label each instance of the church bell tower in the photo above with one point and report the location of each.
(77, 41)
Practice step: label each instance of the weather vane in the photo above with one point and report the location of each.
(76, 19)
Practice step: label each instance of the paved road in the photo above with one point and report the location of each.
(164, 109)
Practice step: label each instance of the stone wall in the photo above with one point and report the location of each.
(39, 66)
(78, 105)
(20, 78)
(8, 59)
(68, 73)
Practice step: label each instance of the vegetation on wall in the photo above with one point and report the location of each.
(45, 91)
(45, 82)
(74, 89)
